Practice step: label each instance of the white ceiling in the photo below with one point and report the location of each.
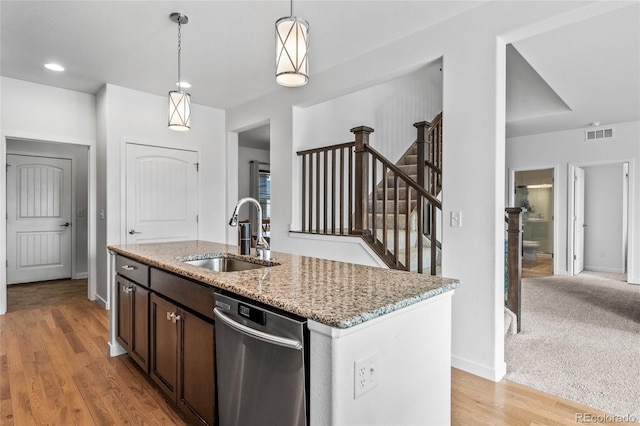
(563, 79)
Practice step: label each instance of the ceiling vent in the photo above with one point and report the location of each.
(597, 134)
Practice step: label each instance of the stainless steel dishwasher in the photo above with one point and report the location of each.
(260, 365)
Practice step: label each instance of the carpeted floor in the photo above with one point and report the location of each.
(580, 340)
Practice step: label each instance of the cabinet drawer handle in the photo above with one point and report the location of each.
(126, 289)
(170, 316)
(128, 268)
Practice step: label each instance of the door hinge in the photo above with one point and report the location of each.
(197, 166)
(197, 218)
(575, 257)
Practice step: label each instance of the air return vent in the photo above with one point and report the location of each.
(597, 134)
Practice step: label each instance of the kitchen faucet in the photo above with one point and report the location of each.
(263, 250)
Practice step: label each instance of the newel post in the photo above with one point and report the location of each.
(421, 141)
(361, 179)
(514, 260)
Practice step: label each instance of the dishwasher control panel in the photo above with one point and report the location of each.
(253, 314)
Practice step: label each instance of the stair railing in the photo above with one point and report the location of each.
(338, 182)
(414, 193)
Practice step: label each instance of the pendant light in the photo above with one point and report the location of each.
(292, 51)
(179, 100)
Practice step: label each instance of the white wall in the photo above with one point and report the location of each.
(569, 148)
(472, 46)
(126, 115)
(603, 214)
(390, 108)
(37, 112)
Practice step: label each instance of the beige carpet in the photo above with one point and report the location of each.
(580, 340)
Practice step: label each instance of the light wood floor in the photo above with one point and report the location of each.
(54, 370)
(541, 267)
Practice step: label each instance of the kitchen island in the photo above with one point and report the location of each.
(399, 322)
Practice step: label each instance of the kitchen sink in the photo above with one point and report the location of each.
(225, 263)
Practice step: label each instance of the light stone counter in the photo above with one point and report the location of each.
(337, 294)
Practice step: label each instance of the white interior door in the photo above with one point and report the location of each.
(578, 220)
(161, 194)
(38, 218)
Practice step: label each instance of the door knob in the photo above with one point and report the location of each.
(133, 231)
(66, 224)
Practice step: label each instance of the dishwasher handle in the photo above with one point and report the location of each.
(261, 335)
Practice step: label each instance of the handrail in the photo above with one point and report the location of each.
(326, 148)
(418, 188)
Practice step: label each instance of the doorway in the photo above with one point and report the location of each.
(39, 171)
(534, 194)
(599, 208)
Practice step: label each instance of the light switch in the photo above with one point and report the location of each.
(456, 219)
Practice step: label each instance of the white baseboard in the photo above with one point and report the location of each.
(82, 275)
(604, 269)
(115, 349)
(102, 302)
(493, 374)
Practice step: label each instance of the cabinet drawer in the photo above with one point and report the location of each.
(188, 293)
(135, 271)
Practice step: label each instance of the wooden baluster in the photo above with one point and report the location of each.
(374, 190)
(407, 230)
(420, 215)
(350, 206)
(333, 191)
(396, 227)
(311, 192)
(361, 177)
(304, 193)
(434, 245)
(325, 197)
(384, 209)
(514, 261)
(341, 190)
(318, 192)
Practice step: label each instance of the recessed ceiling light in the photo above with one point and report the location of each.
(595, 124)
(54, 67)
(183, 84)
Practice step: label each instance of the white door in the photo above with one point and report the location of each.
(38, 218)
(578, 220)
(161, 194)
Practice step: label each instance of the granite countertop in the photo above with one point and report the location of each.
(337, 294)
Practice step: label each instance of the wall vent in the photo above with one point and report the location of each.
(596, 134)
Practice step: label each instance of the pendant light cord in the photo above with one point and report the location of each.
(291, 8)
(179, 51)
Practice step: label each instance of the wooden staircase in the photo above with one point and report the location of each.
(408, 164)
(351, 189)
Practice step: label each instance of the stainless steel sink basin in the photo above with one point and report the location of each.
(226, 263)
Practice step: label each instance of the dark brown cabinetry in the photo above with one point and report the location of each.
(133, 310)
(182, 358)
(168, 329)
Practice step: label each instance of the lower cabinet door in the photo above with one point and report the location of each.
(123, 333)
(164, 344)
(139, 349)
(196, 394)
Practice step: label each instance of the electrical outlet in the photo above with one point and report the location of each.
(365, 375)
